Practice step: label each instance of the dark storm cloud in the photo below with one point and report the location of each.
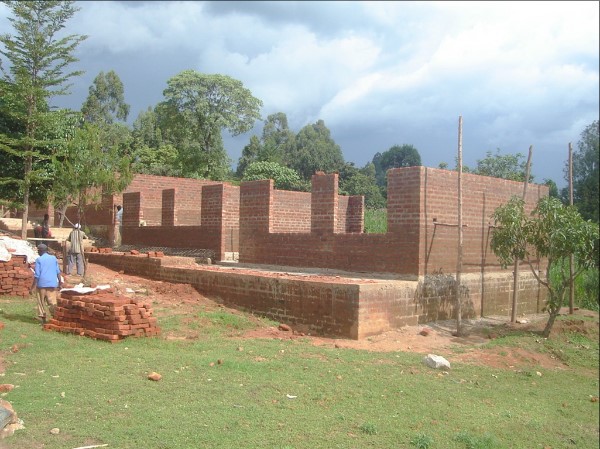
(377, 73)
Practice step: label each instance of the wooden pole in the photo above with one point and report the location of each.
(513, 313)
(460, 234)
(571, 258)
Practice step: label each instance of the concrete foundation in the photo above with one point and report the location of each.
(331, 303)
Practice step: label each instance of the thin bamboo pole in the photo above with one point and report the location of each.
(513, 313)
(460, 233)
(571, 258)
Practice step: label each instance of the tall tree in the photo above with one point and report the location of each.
(38, 59)
(250, 155)
(196, 110)
(397, 156)
(106, 100)
(505, 166)
(277, 139)
(151, 154)
(585, 172)
(105, 107)
(275, 144)
(315, 150)
(146, 129)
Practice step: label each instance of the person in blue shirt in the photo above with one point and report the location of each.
(47, 280)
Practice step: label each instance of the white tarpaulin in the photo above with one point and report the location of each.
(9, 246)
(79, 288)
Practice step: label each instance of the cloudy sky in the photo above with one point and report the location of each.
(377, 73)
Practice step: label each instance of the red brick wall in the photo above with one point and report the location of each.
(216, 230)
(481, 196)
(321, 248)
(291, 211)
(101, 214)
(351, 214)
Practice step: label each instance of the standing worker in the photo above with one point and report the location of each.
(75, 251)
(46, 279)
(46, 229)
(118, 226)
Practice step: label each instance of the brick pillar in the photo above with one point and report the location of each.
(132, 214)
(168, 212)
(404, 199)
(355, 221)
(256, 205)
(324, 203)
(230, 227)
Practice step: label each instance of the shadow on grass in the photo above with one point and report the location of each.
(19, 317)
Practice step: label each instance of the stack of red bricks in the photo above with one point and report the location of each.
(135, 252)
(15, 276)
(102, 315)
(93, 249)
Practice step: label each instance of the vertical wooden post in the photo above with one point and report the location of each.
(513, 313)
(460, 234)
(571, 258)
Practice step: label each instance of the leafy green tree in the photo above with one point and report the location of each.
(38, 56)
(106, 100)
(506, 166)
(553, 231)
(105, 107)
(146, 129)
(585, 173)
(161, 161)
(11, 163)
(397, 156)
(277, 139)
(354, 181)
(250, 154)
(85, 168)
(285, 178)
(276, 143)
(315, 150)
(553, 188)
(151, 154)
(196, 109)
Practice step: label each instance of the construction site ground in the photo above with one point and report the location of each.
(430, 338)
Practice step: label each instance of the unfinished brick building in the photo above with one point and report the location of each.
(376, 281)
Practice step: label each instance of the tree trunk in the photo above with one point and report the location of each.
(62, 212)
(28, 168)
(550, 323)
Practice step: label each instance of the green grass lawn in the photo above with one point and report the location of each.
(219, 391)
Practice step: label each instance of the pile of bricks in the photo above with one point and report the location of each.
(135, 252)
(102, 315)
(15, 277)
(93, 249)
